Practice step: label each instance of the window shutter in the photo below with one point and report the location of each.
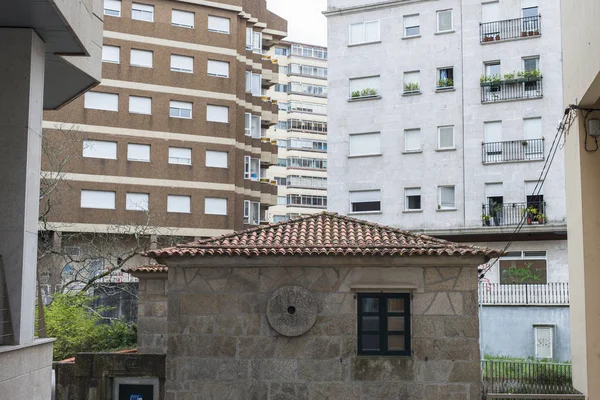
(182, 18)
(217, 113)
(365, 144)
(113, 5)
(357, 33)
(138, 152)
(182, 63)
(447, 196)
(446, 139)
(494, 190)
(218, 68)
(137, 201)
(101, 101)
(181, 104)
(98, 199)
(365, 196)
(217, 159)
(529, 3)
(411, 20)
(141, 58)
(530, 186)
(492, 132)
(215, 206)
(100, 149)
(444, 20)
(412, 77)
(490, 12)
(218, 24)
(111, 53)
(532, 128)
(179, 204)
(412, 192)
(412, 139)
(180, 155)
(364, 83)
(140, 105)
(372, 31)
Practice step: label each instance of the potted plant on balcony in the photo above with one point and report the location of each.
(509, 77)
(541, 218)
(531, 212)
(486, 219)
(412, 87)
(485, 80)
(445, 83)
(523, 34)
(530, 33)
(536, 33)
(498, 37)
(534, 75)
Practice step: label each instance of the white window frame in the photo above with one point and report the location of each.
(217, 74)
(173, 197)
(359, 150)
(109, 153)
(214, 157)
(208, 200)
(410, 192)
(142, 111)
(182, 13)
(354, 82)
(112, 6)
(133, 202)
(174, 159)
(151, 65)
(406, 26)
(407, 80)
(415, 150)
(364, 33)
(144, 147)
(109, 194)
(439, 130)
(442, 207)
(175, 57)
(106, 49)
(144, 12)
(373, 195)
(256, 85)
(252, 212)
(179, 106)
(214, 17)
(91, 101)
(215, 107)
(438, 12)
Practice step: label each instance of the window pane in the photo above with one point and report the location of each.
(413, 202)
(370, 304)
(395, 324)
(370, 342)
(395, 342)
(371, 324)
(395, 305)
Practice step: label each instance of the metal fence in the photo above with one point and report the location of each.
(517, 89)
(550, 294)
(507, 214)
(513, 150)
(510, 29)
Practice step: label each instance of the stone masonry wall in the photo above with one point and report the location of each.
(152, 313)
(221, 345)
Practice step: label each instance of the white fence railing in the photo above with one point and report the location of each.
(552, 293)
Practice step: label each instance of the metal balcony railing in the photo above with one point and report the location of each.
(551, 293)
(516, 89)
(510, 29)
(507, 214)
(512, 150)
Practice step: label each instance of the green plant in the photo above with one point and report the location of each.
(368, 92)
(532, 74)
(509, 76)
(485, 217)
(445, 82)
(531, 211)
(484, 79)
(356, 93)
(411, 87)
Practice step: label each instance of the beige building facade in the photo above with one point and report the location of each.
(581, 63)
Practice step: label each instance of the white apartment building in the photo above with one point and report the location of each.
(301, 134)
(442, 114)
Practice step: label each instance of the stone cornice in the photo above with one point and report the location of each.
(369, 7)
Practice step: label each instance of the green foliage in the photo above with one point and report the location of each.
(485, 217)
(509, 75)
(356, 93)
(364, 93)
(411, 87)
(445, 82)
(78, 328)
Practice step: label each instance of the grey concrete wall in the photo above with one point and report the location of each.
(152, 312)
(221, 344)
(26, 371)
(508, 331)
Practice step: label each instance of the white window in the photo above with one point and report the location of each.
(364, 32)
(544, 341)
(138, 152)
(142, 12)
(216, 159)
(180, 155)
(412, 140)
(365, 144)
(251, 168)
(444, 21)
(111, 54)
(179, 204)
(281, 200)
(445, 137)
(140, 105)
(411, 25)
(412, 198)
(137, 201)
(218, 24)
(490, 12)
(256, 84)
(180, 109)
(182, 63)
(112, 8)
(217, 113)
(100, 149)
(101, 101)
(256, 42)
(218, 68)
(215, 206)
(252, 125)
(252, 212)
(184, 19)
(364, 87)
(445, 78)
(446, 197)
(248, 82)
(98, 199)
(492, 132)
(532, 128)
(412, 82)
(141, 58)
(365, 201)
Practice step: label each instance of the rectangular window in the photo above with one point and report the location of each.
(445, 137)
(142, 12)
(140, 105)
(412, 140)
(138, 152)
(215, 206)
(218, 24)
(411, 25)
(141, 58)
(282, 51)
(137, 201)
(180, 155)
(281, 200)
(249, 82)
(364, 87)
(249, 38)
(217, 113)
(247, 124)
(446, 197)
(257, 42)
(251, 168)
(179, 204)
(112, 8)
(444, 21)
(216, 159)
(365, 144)
(492, 132)
(101, 101)
(218, 68)
(111, 54)
(412, 199)
(364, 32)
(252, 212)
(412, 82)
(184, 19)
(544, 341)
(182, 63)
(100, 149)
(98, 199)
(445, 78)
(365, 200)
(256, 85)
(180, 109)
(384, 324)
(532, 128)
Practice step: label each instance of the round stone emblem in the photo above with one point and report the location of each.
(292, 310)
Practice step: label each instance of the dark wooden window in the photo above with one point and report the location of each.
(384, 324)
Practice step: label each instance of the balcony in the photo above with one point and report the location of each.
(510, 29)
(550, 294)
(513, 151)
(521, 88)
(510, 214)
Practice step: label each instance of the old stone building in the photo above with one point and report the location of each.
(323, 307)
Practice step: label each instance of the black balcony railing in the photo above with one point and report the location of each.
(513, 150)
(516, 89)
(510, 29)
(507, 214)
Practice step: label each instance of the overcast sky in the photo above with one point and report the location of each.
(306, 24)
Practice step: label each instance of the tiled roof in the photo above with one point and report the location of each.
(146, 268)
(324, 234)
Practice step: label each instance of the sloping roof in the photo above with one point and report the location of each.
(146, 268)
(324, 234)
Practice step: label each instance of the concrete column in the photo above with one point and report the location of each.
(21, 106)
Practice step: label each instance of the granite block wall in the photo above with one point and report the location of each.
(152, 312)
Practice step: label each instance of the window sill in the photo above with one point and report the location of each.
(365, 98)
(412, 211)
(363, 44)
(364, 212)
(180, 117)
(444, 32)
(383, 356)
(448, 149)
(179, 212)
(140, 66)
(446, 209)
(182, 71)
(412, 152)
(138, 113)
(222, 32)
(411, 93)
(366, 155)
(441, 90)
(146, 161)
(110, 62)
(218, 76)
(411, 37)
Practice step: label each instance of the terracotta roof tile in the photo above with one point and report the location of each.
(324, 234)
(146, 268)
